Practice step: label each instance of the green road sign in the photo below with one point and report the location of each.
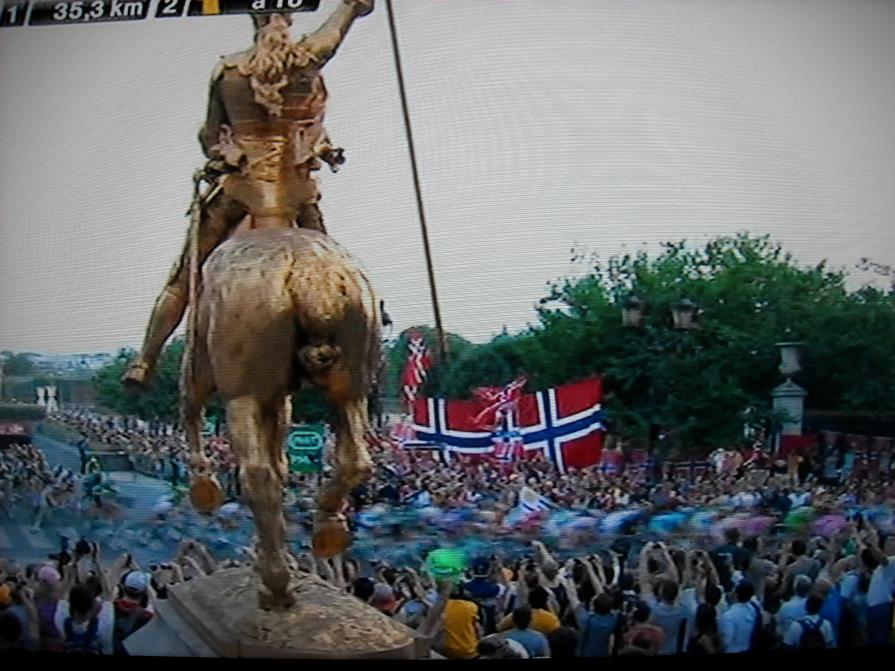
(304, 446)
(209, 428)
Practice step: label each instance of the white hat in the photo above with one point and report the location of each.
(137, 581)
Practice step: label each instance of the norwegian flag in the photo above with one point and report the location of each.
(498, 402)
(564, 423)
(419, 361)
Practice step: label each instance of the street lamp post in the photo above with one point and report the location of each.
(789, 398)
(683, 314)
(632, 312)
(683, 317)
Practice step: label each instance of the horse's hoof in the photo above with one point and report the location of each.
(137, 375)
(206, 493)
(331, 537)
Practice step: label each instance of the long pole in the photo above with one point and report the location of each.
(439, 330)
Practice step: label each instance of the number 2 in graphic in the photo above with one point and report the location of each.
(169, 8)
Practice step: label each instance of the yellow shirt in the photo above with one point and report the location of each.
(543, 621)
(461, 639)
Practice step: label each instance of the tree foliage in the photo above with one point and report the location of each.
(161, 400)
(696, 385)
(17, 364)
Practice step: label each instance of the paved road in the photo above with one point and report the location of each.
(135, 530)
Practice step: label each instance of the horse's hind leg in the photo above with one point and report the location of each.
(353, 464)
(196, 387)
(253, 426)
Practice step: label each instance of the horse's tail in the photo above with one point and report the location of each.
(320, 357)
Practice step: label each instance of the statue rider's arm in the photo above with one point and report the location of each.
(325, 41)
(209, 134)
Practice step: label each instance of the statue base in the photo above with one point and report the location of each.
(219, 616)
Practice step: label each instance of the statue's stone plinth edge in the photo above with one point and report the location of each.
(218, 615)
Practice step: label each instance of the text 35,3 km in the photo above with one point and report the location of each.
(59, 12)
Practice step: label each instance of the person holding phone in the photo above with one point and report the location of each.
(133, 609)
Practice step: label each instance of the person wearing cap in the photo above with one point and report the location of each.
(132, 610)
(383, 598)
(488, 588)
(46, 599)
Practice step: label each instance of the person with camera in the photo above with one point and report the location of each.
(661, 593)
(133, 609)
(599, 625)
(86, 619)
(19, 620)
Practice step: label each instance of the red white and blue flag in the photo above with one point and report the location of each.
(419, 361)
(500, 403)
(564, 423)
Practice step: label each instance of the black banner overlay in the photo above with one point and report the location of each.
(50, 12)
(220, 7)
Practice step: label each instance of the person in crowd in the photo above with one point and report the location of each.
(794, 608)
(879, 594)
(706, 639)
(660, 590)
(132, 609)
(534, 642)
(463, 626)
(499, 647)
(642, 628)
(489, 589)
(812, 630)
(563, 643)
(739, 622)
(599, 625)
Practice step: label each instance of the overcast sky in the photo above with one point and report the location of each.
(539, 126)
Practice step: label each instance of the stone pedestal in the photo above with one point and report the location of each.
(218, 616)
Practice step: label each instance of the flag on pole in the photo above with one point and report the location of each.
(419, 361)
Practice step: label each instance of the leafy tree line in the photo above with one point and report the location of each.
(161, 399)
(695, 386)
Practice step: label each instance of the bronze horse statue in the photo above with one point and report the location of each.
(277, 307)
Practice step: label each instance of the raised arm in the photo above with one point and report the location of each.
(521, 589)
(542, 554)
(616, 567)
(430, 627)
(643, 574)
(711, 571)
(325, 41)
(595, 580)
(216, 116)
(501, 578)
(569, 584)
(671, 569)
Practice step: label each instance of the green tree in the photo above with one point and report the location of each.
(160, 400)
(695, 385)
(17, 364)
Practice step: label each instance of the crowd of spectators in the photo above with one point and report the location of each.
(636, 591)
(652, 598)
